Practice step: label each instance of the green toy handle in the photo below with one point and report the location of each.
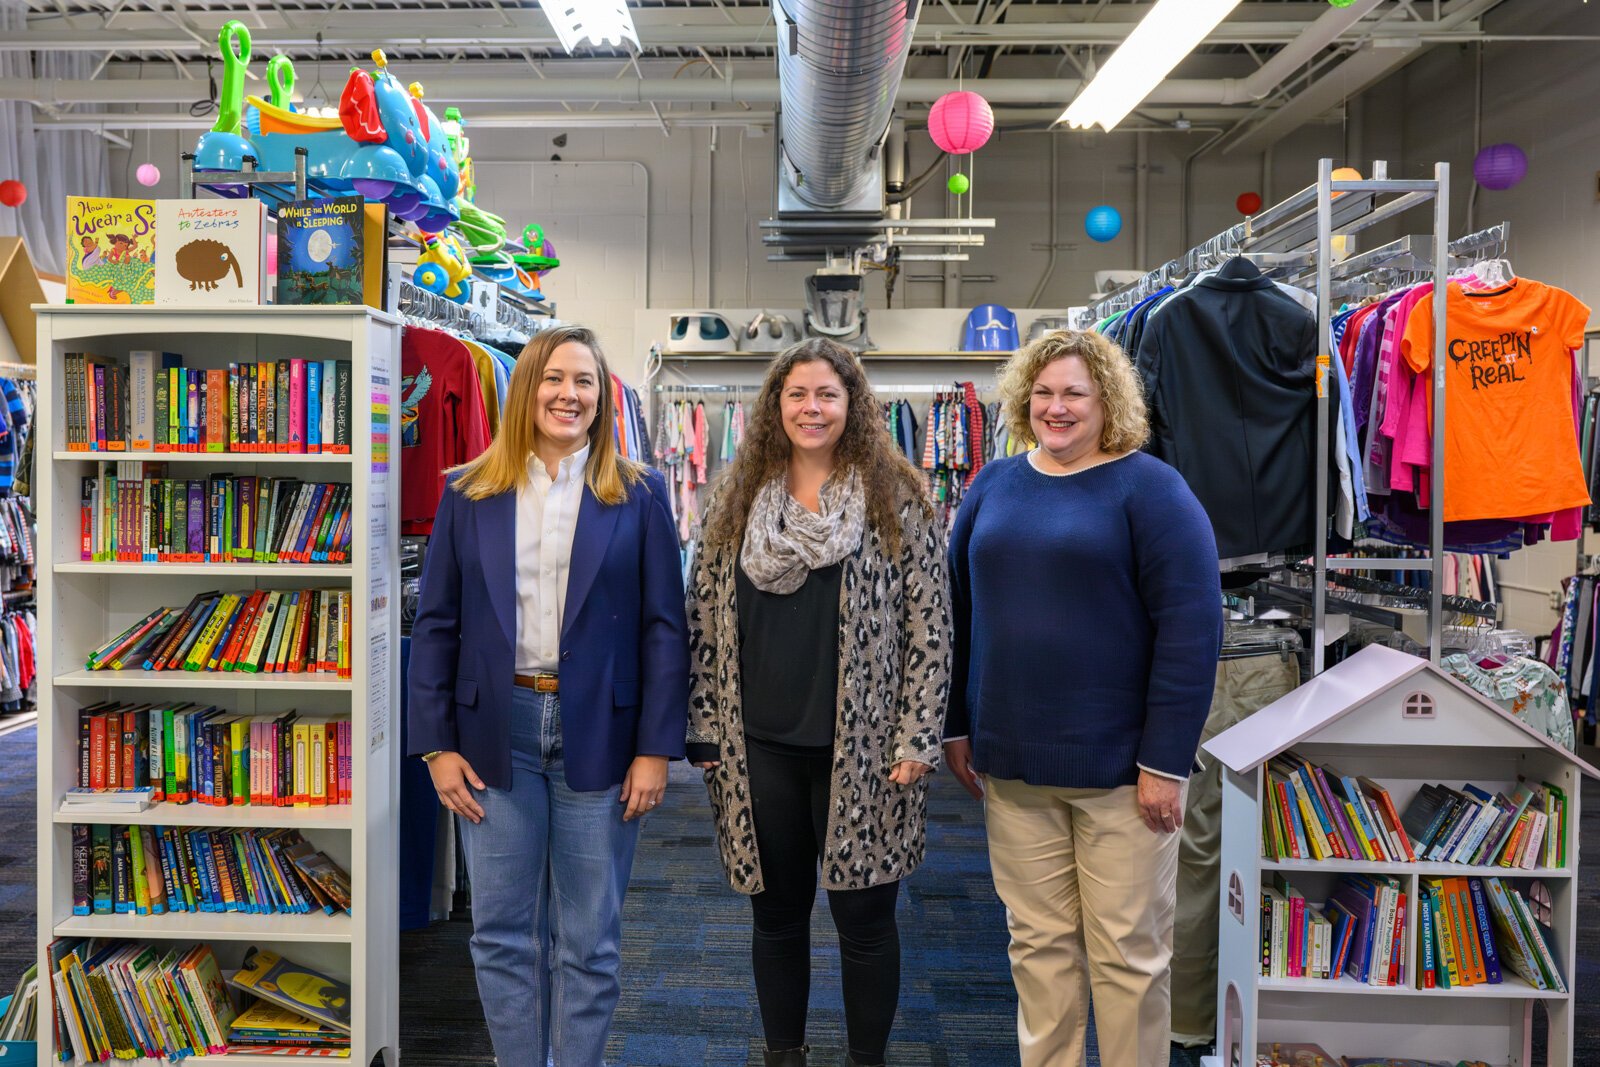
(533, 237)
(280, 77)
(234, 40)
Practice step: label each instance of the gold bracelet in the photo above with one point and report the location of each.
(427, 757)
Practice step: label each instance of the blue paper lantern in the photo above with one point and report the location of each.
(1103, 223)
(1500, 166)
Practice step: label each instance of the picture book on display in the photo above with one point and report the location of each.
(332, 252)
(296, 987)
(214, 253)
(111, 250)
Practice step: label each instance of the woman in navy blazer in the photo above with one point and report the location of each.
(549, 685)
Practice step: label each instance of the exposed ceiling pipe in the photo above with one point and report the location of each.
(524, 89)
(839, 66)
(1366, 66)
(1319, 35)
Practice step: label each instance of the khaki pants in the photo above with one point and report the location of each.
(1088, 891)
(1244, 687)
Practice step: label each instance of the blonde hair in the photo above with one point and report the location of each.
(503, 466)
(1127, 424)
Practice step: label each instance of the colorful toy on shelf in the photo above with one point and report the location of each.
(501, 268)
(382, 144)
(443, 268)
(541, 254)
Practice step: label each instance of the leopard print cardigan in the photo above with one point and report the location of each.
(894, 678)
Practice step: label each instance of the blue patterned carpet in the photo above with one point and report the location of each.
(687, 997)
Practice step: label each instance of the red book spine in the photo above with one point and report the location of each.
(97, 752)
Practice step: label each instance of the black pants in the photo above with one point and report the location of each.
(789, 795)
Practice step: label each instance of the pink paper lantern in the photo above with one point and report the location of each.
(147, 174)
(960, 122)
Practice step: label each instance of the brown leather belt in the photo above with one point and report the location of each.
(542, 682)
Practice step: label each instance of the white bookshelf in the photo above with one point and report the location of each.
(1355, 717)
(81, 604)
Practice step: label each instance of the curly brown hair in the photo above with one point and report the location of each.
(887, 476)
(1127, 421)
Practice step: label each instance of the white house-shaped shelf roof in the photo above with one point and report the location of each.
(1364, 701)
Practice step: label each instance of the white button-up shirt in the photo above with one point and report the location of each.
(547, 518)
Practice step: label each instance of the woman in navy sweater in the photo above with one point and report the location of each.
(1088, 622)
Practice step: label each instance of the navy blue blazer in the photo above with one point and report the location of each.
(624, 639)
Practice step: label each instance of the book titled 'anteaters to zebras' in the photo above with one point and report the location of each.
(213, 253)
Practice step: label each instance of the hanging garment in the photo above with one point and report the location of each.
(1526, 688)
(443, 421)
(1509, 445)
(1229, 369)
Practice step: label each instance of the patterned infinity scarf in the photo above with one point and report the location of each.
(784, 540)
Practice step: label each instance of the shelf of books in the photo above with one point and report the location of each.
(1395, 840)
(219, 738)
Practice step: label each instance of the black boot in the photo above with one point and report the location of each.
(853, 1062)
(791, 1057)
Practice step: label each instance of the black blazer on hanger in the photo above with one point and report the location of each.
(1229, 369)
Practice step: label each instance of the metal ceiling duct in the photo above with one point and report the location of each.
(839, 67)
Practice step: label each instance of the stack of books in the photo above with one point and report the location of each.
(131, 512)
(256, 631)
(1469, 929)
(20, 1020)
(1523, 829)
(301, 1012)
(1314, 812)
(118, 1000)
(198, 753)
(156, 404)
(1359, 932)
(151, 870)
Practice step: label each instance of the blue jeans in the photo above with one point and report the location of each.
(549, 867)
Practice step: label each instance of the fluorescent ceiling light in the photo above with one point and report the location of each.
(1171, 30)
(601, 22)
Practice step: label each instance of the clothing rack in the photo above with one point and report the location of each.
(24, 371)
(417, 303)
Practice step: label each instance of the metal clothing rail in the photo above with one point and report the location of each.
(1411, 194)
(418, 303)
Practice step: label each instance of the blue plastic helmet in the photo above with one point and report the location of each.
(990, 328)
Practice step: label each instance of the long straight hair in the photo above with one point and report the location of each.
(503, 466)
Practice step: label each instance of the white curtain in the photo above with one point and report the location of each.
(52, 163)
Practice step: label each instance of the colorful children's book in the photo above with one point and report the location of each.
(215, 252)
(111, 250)
(298, 988)
(331, 252)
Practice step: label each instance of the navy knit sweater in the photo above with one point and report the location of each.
(1088, 620)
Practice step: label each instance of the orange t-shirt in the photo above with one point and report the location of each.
(1510, 445)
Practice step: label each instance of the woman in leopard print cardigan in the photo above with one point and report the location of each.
(819, 596)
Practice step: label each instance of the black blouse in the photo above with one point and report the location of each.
(789, 659)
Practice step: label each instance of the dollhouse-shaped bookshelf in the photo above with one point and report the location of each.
(1402, 722)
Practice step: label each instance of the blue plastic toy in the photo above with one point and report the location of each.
(990, 328)
(384, 144)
